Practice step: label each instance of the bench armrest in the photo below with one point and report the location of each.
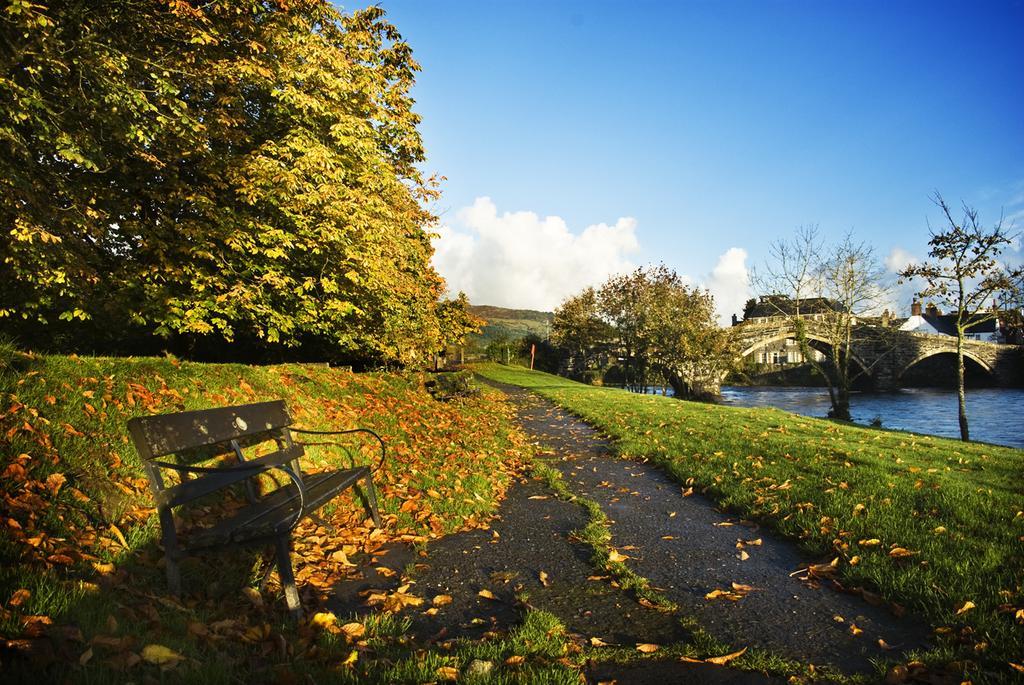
(383, 452)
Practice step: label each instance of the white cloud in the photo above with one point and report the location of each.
(729, 282)
(899, 259)
(520, 260)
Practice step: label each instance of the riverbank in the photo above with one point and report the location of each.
(993, 412)
(918, 522)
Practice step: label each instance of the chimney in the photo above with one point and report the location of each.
(915, 308)
(735, 320)
(931, 309)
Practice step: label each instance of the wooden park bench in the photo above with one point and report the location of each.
(193, 437)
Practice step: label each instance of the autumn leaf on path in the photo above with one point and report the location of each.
(487, 594)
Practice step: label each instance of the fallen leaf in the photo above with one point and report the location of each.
(597, 642)
(647, 647)
(855, 630)
(544, 579)
(447, 673)
(896, 675)
(515, 660)
(722, 660)
(54, 482)
(254, 596)
(442, 600)
(965, 607)
(19, 597)
(354, 630)
(119, 535)
(323, 619)
(615, 556)
(900, 553)
(158, 655)
(487, 594)
(339, 557)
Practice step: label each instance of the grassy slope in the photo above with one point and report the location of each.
(79, 563)
(847, 492)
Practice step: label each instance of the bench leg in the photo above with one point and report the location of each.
(171, 554)
(284, 571)
(370, 498)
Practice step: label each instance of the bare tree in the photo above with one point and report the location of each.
(964, 274)
(823, 293)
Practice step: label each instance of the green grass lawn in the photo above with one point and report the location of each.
(931, 524)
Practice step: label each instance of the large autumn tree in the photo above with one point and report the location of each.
(210, 172)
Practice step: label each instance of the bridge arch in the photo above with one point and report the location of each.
(932, 353)
(778, 336)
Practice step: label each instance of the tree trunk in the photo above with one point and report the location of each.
(961, 397)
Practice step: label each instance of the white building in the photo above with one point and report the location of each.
(932, 322)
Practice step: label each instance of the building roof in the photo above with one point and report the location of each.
(780, 305)
(946, 323)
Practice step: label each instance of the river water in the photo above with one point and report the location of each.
(996, 415)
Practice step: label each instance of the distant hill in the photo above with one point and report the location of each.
(510, 323)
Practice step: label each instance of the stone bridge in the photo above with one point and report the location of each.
(885, 354)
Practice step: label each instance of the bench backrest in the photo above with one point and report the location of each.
(196, 436)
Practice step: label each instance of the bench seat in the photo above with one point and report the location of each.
(272, 515)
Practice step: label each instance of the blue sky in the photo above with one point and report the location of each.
(706, 126)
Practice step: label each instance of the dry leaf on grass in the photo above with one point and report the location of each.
(722, 660)
(615, 556)
(161, 656)
(447, 673)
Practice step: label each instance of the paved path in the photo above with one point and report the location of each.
(687, 548)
